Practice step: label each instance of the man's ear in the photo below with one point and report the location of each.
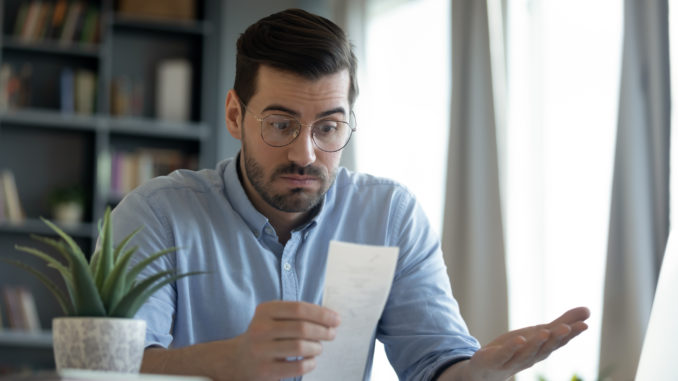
(234, 112)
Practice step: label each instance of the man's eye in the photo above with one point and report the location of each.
(327, 127)
(280, 124)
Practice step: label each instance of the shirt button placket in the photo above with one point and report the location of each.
(288, 275)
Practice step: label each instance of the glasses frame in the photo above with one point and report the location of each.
(261, 118)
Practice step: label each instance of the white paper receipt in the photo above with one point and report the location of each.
(357, 284)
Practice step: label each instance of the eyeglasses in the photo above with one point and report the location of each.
(329, 135)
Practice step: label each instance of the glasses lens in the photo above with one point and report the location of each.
(279, 130)
(331, 135)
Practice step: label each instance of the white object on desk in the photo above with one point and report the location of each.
(95, 375)
(78, 374)
(357, 284)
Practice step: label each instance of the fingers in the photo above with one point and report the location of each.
(313, 313)
(572, 316)
(543, 341)
(294, 320)
(525, 355)
(499, 355)
(284, 338)
(292, 329)
(557, 337)
(284, 349)
(279, 369)
(289, 369)
(520, 349)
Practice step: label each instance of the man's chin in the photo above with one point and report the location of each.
(298, 200)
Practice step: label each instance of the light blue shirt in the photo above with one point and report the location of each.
(209, 217)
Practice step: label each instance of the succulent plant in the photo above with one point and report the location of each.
(104, 286)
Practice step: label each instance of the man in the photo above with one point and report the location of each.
(260, 224)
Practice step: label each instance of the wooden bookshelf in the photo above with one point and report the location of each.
(47, 145)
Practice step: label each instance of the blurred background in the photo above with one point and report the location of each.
(535, 133)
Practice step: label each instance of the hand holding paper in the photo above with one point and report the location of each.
(279, 331)
(357, 284)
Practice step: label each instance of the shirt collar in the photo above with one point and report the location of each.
(235, 193)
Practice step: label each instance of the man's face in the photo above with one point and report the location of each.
(293, 178)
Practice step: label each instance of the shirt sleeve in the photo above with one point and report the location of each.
(421, 326)
(158, 311)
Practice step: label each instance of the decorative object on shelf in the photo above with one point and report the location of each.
(67, 205)
(15, 86)
(173, 90)
(102, 296)
(180, 10)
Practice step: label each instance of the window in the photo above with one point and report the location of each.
(563, 77)
(404, 106)
(404, 101)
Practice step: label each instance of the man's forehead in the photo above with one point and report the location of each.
(282, 84)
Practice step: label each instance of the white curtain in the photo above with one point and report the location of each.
(639, 215)
(351, 16)
(472, 235)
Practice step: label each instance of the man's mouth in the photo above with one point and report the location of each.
(299, 180)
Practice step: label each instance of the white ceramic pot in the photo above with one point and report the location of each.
(111, 344)
(68, 213)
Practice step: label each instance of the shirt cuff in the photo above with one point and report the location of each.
(440, 368)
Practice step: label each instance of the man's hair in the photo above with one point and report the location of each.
(296, 41)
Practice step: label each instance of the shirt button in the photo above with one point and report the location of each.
(287, 266)
(269, 230)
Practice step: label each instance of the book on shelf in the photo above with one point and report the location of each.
(77, 91)
(127, 96)
(173, 90)
(58, 17)
(29, 310)
(11, 305)
(22, 312)
(13, 212)
(131, 169)
(31, 21)
(85, 82)
(66, 91)
(5, 77)
(2, 325)
(20, 19)
(61, 20)
(178, 10)
(73, 15)
(90, 29)
(3, 208)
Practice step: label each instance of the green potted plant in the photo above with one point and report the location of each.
(67, 204)
(102, 296)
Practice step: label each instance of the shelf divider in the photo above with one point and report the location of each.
(17, 338)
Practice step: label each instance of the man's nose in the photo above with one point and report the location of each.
(302, 149)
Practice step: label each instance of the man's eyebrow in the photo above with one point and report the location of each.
(336, 110)
(275, 107)
(287, 110)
